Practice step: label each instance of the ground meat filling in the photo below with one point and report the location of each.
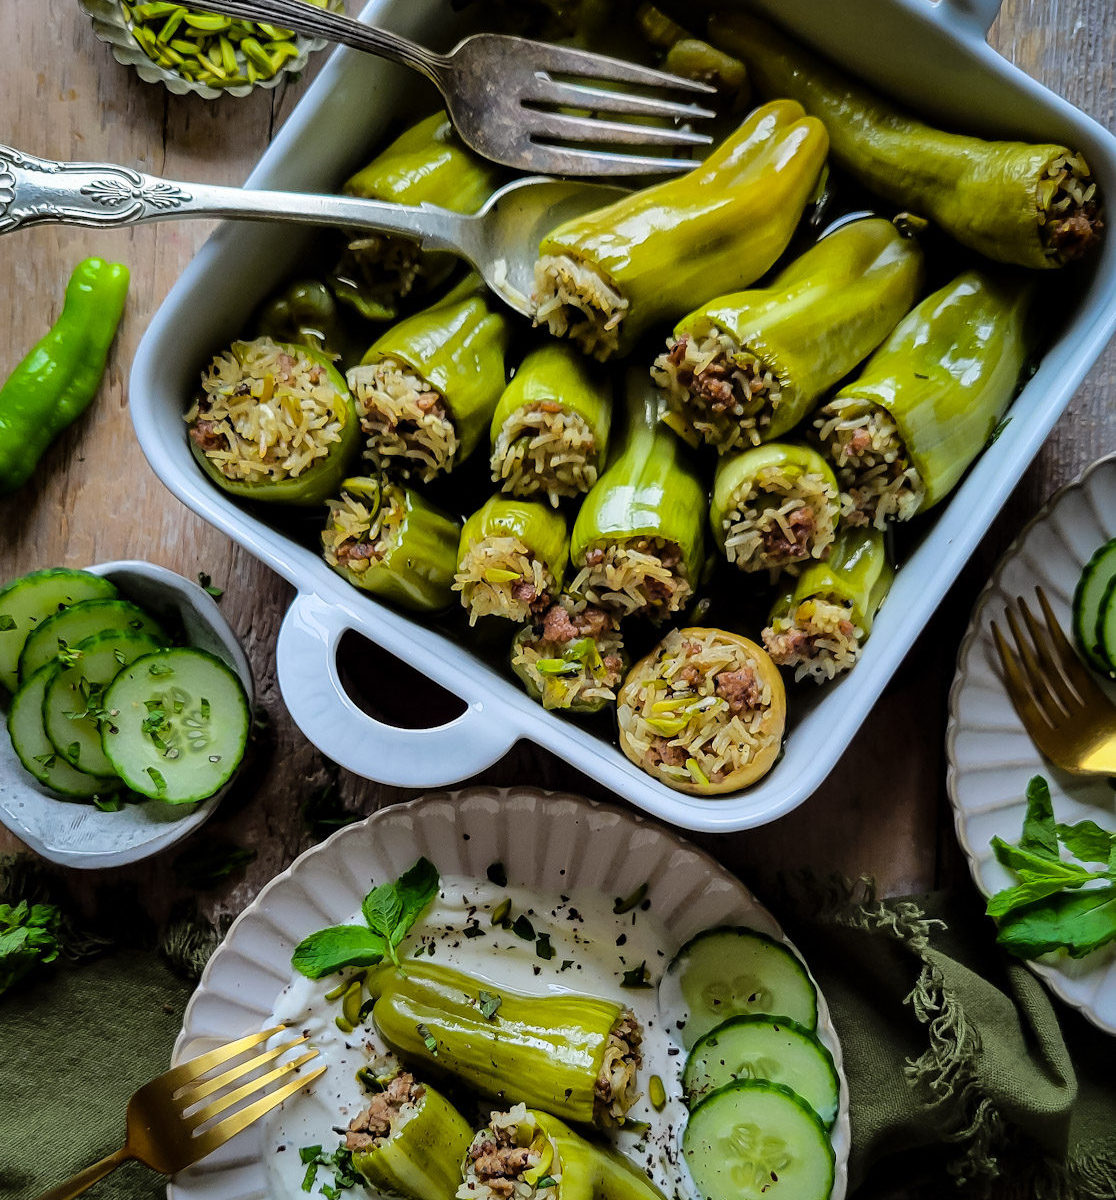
(504, 1160)
(500, 576)
(723, 392)
(387, 1111)
(878, 481)
(1070, 208)
(614, 1091)
(780, 519)
(355, 536)
(573, 656)
(641, 575)
(818, 639)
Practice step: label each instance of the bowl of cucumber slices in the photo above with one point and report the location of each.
(127, 701)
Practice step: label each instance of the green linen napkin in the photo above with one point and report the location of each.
(965, 1078)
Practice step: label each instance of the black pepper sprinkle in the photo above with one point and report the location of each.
(622, 939)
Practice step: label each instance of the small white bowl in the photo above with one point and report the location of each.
(110, 25)
(74, 834)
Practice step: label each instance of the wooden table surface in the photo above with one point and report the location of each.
(883, 811)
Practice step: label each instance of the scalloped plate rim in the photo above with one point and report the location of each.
(840, 1133)
(1052, 976)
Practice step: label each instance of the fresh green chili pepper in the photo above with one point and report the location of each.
(749, 366)
(392, 542)
(650, 500)
(589, 1171)
(928, 399)
(263, 365)
(421, 1157)
(446, 362)
(549, 1051)
(59, 378)
(550, 429)
(774, 506)
(1032, 205)
(427, 164)
(304, 314)
(604, 278)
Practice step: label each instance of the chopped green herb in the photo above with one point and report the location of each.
(108, 803)
(474, 931)
(623, 905)
(157, 779)
(428, 1039)
(489, 1004)
(208, 585)
(497, 874)
(545, 1182)
(73, 751)
(7, 623)
(523, 928)
(543, 948)
(995, 434)
(120, 656)
(567, 963)
(206, 709)
(29, 937)
(636, 977)
(46, 760)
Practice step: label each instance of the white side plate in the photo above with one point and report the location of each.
(991, 758)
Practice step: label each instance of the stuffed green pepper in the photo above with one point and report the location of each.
(638, 541)
(704, 712)
(747, 367)
(819, 626)
(774, 507)
(409, 1141)
(550, 429)
(1031, 205)
(571, 657)
(511, 559)
(387, 539)
(604, 278)
(574, 1056)
(903, 433)
(304, 314)
(530, 1155)
(426, 164)
(274, 422)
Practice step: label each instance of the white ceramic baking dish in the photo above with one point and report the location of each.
(936, 58)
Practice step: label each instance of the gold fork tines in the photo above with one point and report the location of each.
(167, 1130)
(1068, 717)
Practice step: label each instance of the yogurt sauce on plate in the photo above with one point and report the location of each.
(593, 947)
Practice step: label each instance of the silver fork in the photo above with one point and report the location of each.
(504, 94)
(501, 240)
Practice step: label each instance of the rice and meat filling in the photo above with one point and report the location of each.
(1069, 208)
(641, 575)
(703, 714)
(615, 1089)
(818, 638)
(265, 413)
(783, 519)
(355, 537)
(407, 424)
(878, 482)
(387, 1112)
(573, 655)
(573, 299)
(545, 448)
(499, 576)
(512, 1157)
(725, 393)
(381, 265)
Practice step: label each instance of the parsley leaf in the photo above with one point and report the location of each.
(489, 1004)
(29, 937)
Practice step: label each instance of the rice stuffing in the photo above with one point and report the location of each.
(388, 1111)
(572, 654)
(356, 538)
(406, 421)
(511, 1159)
(499, 576)
(615, 1089)
(783, 519)
(545, 448)
(722, 391)
(641, 575)
(818, 638)
(1069, 207)
(265, 412)
(877, 480)
(702, 713)
(572, 299)
(381, 265)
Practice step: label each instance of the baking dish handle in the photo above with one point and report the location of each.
(978, 14)
(306, 659)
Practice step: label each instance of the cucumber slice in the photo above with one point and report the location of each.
(1088, 597)
(758, 1139)
(29, 600)
(79, 621)
(179, 725)
(735, 972)
(30, 742)
(1106, 627)
(77, 686)
(770, 1048)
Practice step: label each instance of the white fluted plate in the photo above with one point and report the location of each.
(555, 845)
(990, 756)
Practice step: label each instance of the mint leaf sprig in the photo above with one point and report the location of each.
(389, 911)
(1045, 910)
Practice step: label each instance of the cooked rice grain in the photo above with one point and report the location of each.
(642, 575)
(539, 450)
(517, 598)
(574, 300)
(819, 639)
(782, 520)
(357, 538)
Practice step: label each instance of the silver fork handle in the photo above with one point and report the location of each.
(36, 191)
(334, 27)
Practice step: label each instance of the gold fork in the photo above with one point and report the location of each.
(167, 1130)
(1068, 717)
